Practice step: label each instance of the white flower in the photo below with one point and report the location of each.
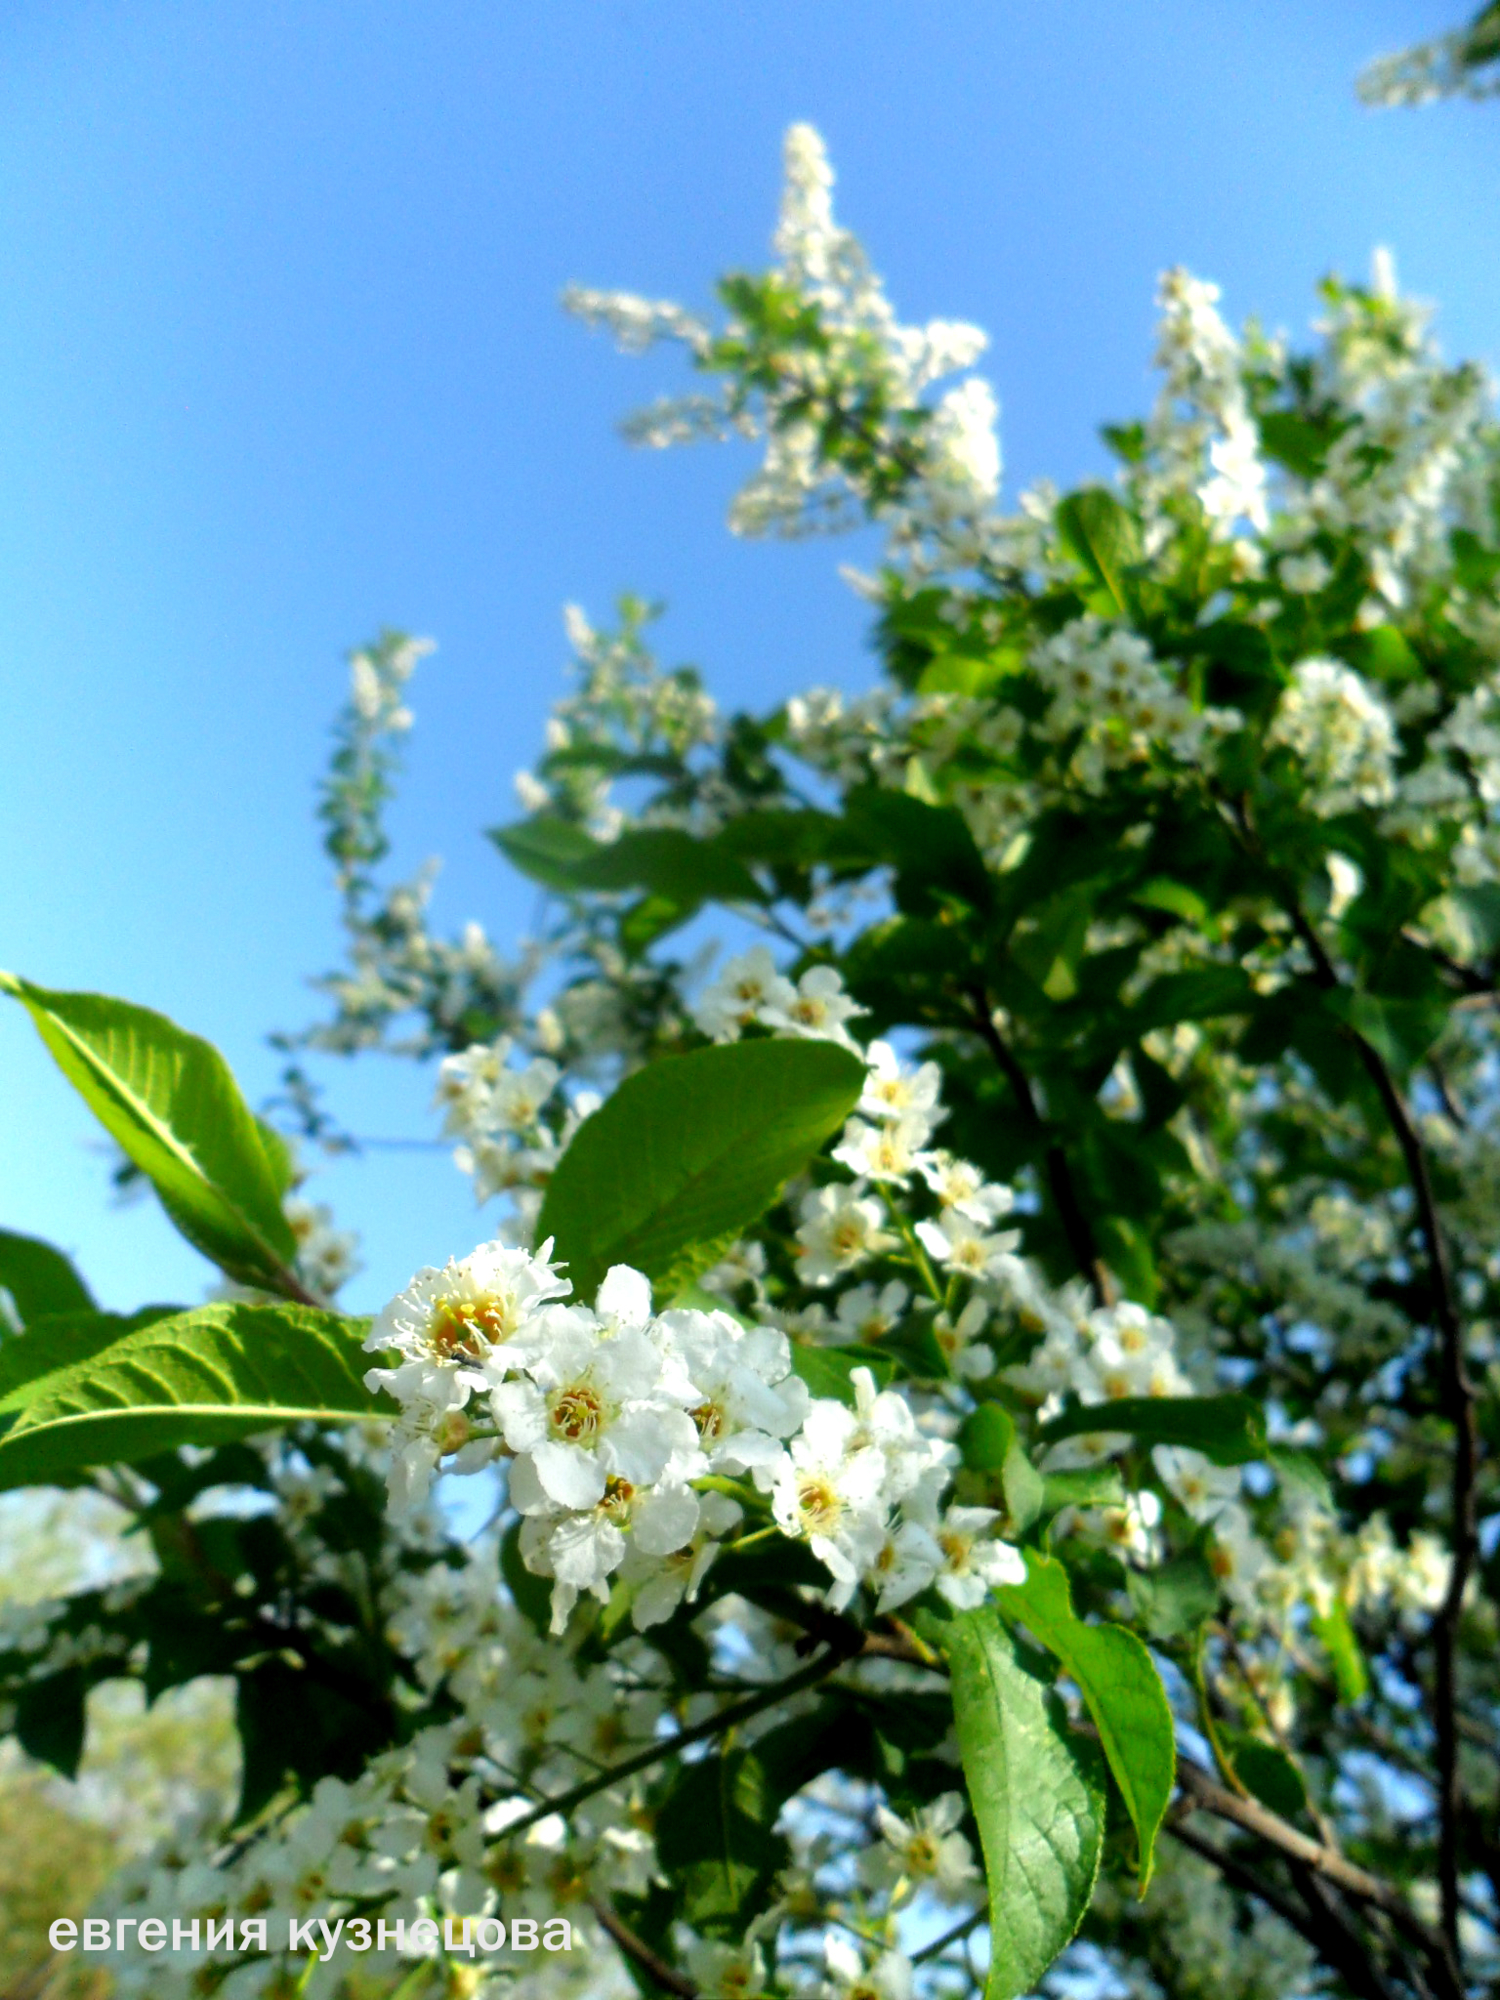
(974, 1563)
(1203, 1488)
(1131, 1356)
(1341, 732)
(969, 1357)
(908, 1561)
(1305, 574)
(895, 1090)
(840, 1228)
(589, 1409)
(817, 1008)
(964, 1189)
(961, 1245)
(746, 1398)
(826, 1492)
(462, 1313)
(864, 1314)
(887, 1152)
(1131, 1528)
(744, 986)
(886, 1977)
(1238, 1557)
(924, 1852)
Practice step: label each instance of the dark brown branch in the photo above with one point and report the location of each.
(1459, 1408)
(1250, 1883)
(1076, 1225)
(1338, 1944)
(636, 1949)
(1205, 1793)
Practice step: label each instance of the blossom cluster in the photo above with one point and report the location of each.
(445, 1826)
(949, 443)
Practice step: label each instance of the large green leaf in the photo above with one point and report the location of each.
(39, 1278)
(1096, 529)
(168, 1100)
(1038, 1799)
(666, 861)
(1122, 1688)
(1231, 1430)
(61, 1340)
(688, 1152)
(200, 1377)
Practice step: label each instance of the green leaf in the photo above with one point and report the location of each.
(986, 1436)
(1271, 1775)
(828, 1371)
(168, 1100)
(1176, 1598)
(989, 1444)
(1295, 442)
(1478, 907)
(714, 1838)
(930, 847)
(531, 1594)
(1120, 1684)
(1098, 532)
(62, 1340)
(1038, 1799)
(1088, 1486)
(681, 867)
(1231, 1430)
(1301, 1475)
(39, 1278)
(200, 1377)
(546, 848)
(688, 1152)
(1350, 1673)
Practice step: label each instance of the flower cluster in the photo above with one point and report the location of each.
(1107, 687)
(947, 447)
(1341, 733)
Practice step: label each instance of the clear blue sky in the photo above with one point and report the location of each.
(280, 361)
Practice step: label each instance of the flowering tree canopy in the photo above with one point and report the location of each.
(982, 1389)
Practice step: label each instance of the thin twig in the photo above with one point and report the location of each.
(959, 1931)
(637, 1949)
(713, 1725)
(1076, 1225)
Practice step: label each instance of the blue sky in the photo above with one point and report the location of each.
(281, 361)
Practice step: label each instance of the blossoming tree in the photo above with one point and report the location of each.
(983, 1390)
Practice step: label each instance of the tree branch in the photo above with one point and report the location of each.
(640, 1953)
(713, 1725)
(1459, 1408)
(1205, 1793)
(1250, 1883)
(1076, 1225)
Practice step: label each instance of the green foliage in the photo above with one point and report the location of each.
(1038, 1797)
(1123, 1691)
(168, 1100)
(39, 1278)
(688, 1153)
(220, 1372)
(1231, 1430)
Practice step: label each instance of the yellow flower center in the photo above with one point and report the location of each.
(818, 1504)
(466, 1329)
(577, 1414)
